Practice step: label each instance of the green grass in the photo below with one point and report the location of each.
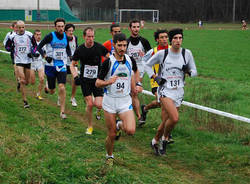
(37, 147)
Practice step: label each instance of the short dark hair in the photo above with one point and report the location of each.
(158, 32)
(67, 26)
(113, 25)
(133, 21)
(173, 32)
(37, 31)
(86, 29)
(59, 20)
(13, 24)
(119, 37)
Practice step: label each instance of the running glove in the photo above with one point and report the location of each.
(48, 59)
(77, 80)
(30, 55)
(36, 55)
(185, 70)
(159, 80)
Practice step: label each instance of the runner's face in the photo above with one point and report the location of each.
(115, 30)
(20, 28)
(14, 28)
(70, 32)
(60, 27)
(38, 36)
(163, 39)
(89, 37)
(120, 48)
(177, 41)
(134, 29)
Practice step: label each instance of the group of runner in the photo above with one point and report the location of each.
(110, 74)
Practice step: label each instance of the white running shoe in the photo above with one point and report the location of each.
(63, 115)
(73, 102)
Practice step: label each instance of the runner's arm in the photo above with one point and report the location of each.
(100, 82)
(191, 64)
(155, 59)
(47, 39)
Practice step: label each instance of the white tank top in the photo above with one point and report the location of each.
(72, 45)
(122, 86)
(136, 51)
(22, 46)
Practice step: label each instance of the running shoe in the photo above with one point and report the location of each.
(142, 120)
(73, 102)
(163, 147)
(155, 148)
(63, 115)
(39, 97)
(170, 140)
(110, 161)
(118, 132)
(26, 105)
(89, 131)
(58, 101)
(18, 87)
(98, 114)
(46, 90)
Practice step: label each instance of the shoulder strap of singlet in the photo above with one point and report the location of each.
(183, 54)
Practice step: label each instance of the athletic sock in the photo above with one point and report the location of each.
(107, 156)
(119, 124)
(154, 141)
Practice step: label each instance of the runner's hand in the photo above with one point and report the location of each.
(48, 59)
(77, 80)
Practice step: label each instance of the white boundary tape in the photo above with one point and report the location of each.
(214, 111)
(3, 51)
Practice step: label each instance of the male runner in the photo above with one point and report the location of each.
(174, 62)
(57, 52)
(69, 30)
(116, 77)
(161, 37)
(89, 54)
(37, 64)
(20, 44)
(14, 30)
(137, 47)
(114, 29)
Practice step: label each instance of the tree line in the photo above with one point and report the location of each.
(182, 10)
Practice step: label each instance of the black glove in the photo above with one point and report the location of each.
(185, 70)
(77, 80)
(36, 55)
(30, 55)
(48, 59)
(159, 80)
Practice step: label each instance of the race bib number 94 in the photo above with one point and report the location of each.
(90, 71)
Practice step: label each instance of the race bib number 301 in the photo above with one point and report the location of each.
(90, 71)
(58, 54)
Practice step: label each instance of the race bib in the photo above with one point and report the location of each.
(58, 54)
(174, 83)
(137, 54)
(174, 78)
(22, 49)
(90, 71)
(120, 86)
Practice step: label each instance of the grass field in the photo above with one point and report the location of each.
(36, 146)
